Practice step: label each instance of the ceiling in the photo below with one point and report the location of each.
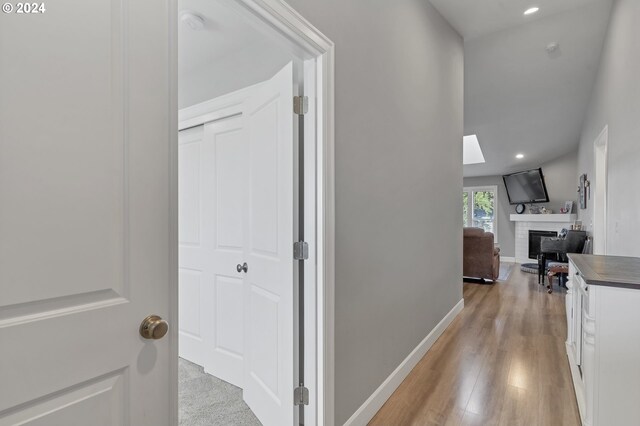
(520, 99)
(230, 52)
(473, 18)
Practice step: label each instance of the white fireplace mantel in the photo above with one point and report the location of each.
(536, 222)
(558, 218)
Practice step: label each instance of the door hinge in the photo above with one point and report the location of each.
(300, 105)
(301, 396)
(301, 250)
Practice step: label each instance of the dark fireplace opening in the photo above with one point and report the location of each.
(534, 241)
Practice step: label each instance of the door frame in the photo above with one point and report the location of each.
(319, 55)
(600, 203)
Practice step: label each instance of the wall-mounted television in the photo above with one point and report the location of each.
(526, 187)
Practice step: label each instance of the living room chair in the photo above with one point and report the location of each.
(574, 242)
(562, 271)
(481, 258)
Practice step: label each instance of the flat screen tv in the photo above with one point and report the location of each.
(526, 187)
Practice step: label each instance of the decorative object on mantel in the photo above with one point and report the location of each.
(520, 208)
(577, 226)
(568, 207)
(539, 210)
(584, 190)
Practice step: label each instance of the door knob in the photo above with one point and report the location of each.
(242, 268)
(153, 327)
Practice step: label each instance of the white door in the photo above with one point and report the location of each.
(191, 339)
(600, 193)
(212, 192)
(85, 223)
(271, 311)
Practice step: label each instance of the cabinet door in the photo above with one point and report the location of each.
(570, 307)
(588, 349)
(616, 384)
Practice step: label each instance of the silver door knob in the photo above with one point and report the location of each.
(242, 268)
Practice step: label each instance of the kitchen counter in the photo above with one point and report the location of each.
(610, 271)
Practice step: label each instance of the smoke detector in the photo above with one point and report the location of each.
(192, 20)
(553, 47)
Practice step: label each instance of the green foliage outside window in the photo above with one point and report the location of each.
(465, 208)
(482, 211)
(483, 201)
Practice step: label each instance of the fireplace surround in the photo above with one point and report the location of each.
(536, 222)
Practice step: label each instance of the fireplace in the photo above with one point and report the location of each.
(534, 241)
(536, 222)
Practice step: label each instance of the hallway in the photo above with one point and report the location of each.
(501, 362)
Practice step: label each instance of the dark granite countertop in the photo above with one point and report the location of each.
(611, 271)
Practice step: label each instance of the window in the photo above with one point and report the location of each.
(479, 205)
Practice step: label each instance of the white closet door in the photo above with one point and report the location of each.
(269, 299)
(212, 200)
(224, 151)
(190, 277)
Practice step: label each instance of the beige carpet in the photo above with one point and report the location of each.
(206, 400)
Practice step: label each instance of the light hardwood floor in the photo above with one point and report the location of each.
(501, 362)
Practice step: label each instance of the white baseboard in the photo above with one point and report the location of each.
(372, 405)
(507, 259)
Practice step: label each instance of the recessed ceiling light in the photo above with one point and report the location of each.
(519, 156)
(531, 10)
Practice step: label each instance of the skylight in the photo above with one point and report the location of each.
(471, 152)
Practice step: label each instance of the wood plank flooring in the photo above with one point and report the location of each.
(501, 362)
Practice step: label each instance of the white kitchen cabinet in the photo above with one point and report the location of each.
(603, 338)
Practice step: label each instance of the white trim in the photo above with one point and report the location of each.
(311, 295)
(506, 259)
(214, 109)
(600, 161)
(225, 106)
(372, 405)
(172, 261)
(314, 45)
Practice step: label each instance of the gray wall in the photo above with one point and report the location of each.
(399, 125)
(562, 183)
(616, 102)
